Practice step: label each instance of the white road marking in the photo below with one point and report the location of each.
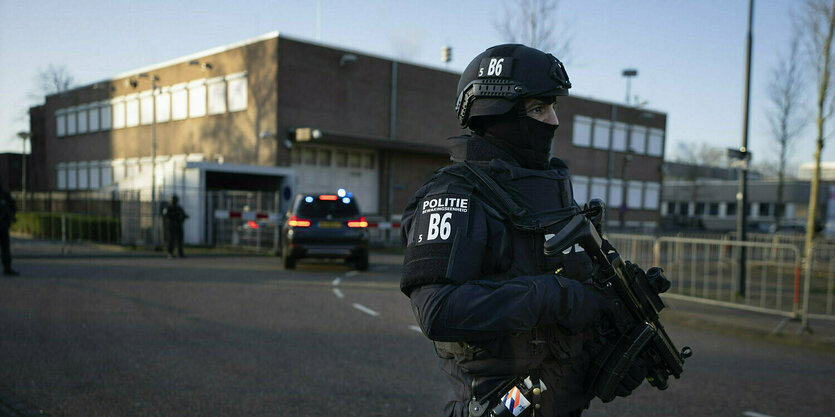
(754, 414)
(351, 273)
(366, 310)
(338, 293)
(337, 281)
(415, 328)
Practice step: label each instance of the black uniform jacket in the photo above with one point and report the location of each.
(482, 288)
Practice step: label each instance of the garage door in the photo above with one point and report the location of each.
(325, 169)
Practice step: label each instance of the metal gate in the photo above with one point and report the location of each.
(247, 219)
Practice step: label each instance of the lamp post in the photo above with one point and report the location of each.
(154, 78)
(629, 73)
(23, 135)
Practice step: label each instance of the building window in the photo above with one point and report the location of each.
(354, 160)
(71, 122)
(341, 159)
(634, 194)
(638, 140)
(93, 117)
(368, 161)
(615, 193)
(179, 102)
(132, 110)
(766, 209)
(580, 184)
(671, 208)
(106, 113)
(601, 133)
(323, 157)
(683, 209)
(60, 124)
(106, 174)
(655, 143)
(713, 209)
(236, 91)
(83, 175)
(82, 119)
(163, 104)
(146, 108)
(61, 171)
(730, 209)
(197, 98)
(309, 156)
(700, 209)
(652, 194)
(581, 136)
(598, 188)
(619, 137)
(217, 96)
(72, 176)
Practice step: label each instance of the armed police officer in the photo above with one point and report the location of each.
(508, 322)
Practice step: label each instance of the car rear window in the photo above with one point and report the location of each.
(322, 208)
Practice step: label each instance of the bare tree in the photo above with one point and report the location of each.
(700, 154)
(818, 22)
(54, 79)
(531, 22)
(786, 115)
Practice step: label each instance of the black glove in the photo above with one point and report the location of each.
(590, 311)
(632, 379)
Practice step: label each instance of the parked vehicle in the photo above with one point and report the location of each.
(324, 226)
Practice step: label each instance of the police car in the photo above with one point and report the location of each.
(325, 226)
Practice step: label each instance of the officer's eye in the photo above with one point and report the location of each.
(535, 109)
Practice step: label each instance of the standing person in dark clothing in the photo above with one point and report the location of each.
(504, 317)
(175, 216)
(8, 215)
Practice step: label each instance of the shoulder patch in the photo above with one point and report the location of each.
(439, 217)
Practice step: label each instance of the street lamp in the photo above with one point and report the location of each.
(23, 135)
(154, 78)
(629, 73)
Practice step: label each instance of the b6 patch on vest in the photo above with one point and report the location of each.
(439, 217)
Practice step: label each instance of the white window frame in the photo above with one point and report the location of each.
(72, 175)
(638, 140)
(216, 95)
(620, 136)
(581, 135)
(163, 103)
(81, 114)
(615, 193)
(93, 116)
(132, 110)
(237, 92)
(61, 175)
(197, 98)
(118, 112)
(60, 123)
(599, 188)
(580, 184)
(652, 196)
(146, 107)
(655, 142)
(179, 102)
(600, 134)
(72, 121)
(83, 175)
(105, 116)
(634, 194)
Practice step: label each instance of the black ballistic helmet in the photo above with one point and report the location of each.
(499, 77)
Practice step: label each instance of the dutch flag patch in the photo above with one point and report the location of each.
(515, 401)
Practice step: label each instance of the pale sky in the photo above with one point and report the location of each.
(690, 54)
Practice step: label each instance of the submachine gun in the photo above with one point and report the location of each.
(633, 331)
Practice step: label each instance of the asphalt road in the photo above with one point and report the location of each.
(223, 336)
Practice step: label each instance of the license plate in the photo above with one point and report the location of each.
(330, 225)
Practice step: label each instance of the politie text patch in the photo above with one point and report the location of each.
(440, 217)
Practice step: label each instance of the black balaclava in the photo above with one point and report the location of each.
(526, 139)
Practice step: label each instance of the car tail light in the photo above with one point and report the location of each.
(330, 197)
(252, 224)
(358, 223)
(294, 221)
